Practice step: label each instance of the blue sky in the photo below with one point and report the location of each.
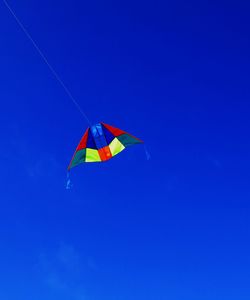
(175, 74)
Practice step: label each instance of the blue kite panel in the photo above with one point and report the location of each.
(98, 135)
(108, 135)
(91, 142)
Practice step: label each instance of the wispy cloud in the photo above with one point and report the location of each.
(28, 154)
(62, 272)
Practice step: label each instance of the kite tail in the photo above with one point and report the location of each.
(68, 182)
(148, 156)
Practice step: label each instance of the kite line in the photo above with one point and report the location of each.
(72, 98)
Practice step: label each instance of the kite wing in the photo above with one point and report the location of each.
(100, 143)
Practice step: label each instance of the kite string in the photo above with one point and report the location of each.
(47, 62)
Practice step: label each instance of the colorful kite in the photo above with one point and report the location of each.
(100, 143)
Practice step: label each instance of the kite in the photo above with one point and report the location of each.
(100, 143)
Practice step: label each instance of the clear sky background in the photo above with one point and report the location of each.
(173, 73)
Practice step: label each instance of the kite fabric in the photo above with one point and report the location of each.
(100, 143)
